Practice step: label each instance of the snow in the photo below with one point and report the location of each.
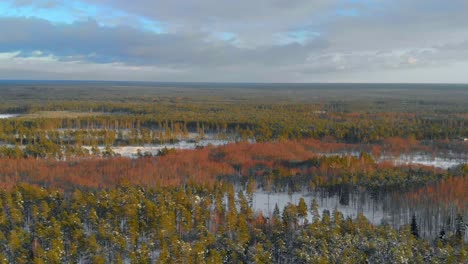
(5, 116)
(131, 151)
(373, 211)
(437, 161)
(384, 210)
(427, 160)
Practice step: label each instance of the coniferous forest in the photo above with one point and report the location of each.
(109, 172)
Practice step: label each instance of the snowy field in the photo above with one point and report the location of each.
(132, 151)
(373, 211)
(421, 159)
(5, 116)
(377, 212)
(426, 160)
(415, 158)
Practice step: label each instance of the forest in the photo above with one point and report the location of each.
(196, 224)
(123, 172)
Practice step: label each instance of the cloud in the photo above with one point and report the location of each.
(400, 24)
(88, 41)
(13, 66)
(254, 22)
(264, 40)
(209, 13)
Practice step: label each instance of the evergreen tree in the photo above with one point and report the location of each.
(414, 227)
(276, 213)
(442, 234)
(460, 227)
(314, 210)
(302, 209)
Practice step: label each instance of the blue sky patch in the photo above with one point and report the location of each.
(348, 12)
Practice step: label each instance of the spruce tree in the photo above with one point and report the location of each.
(302, 209)
(314, 210)
(460, 227)
(414, 227)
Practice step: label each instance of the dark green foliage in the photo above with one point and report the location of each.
(414, 227)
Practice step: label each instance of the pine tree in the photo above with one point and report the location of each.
(442, 234)
(276, 212)
(243, 235)
(302, 209)
(460, 227)
(314, 210)
(414, 227)
(290, 216)
(251, 187)
(326, 217)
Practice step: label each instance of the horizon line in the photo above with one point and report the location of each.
(220, 82)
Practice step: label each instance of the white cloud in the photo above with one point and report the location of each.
(265, 40)
(51, 67)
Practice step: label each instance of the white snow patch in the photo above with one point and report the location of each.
(5, 116)
(373, 211)
(132, 151)
(437, 161)
(427, 160)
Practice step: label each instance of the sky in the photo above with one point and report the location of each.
(402, 41)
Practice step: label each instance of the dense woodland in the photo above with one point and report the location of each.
(162, 123)
(67, 197)
(194, 224)
(287, 166)
(138, 114)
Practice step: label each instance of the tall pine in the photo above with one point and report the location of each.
(414, 227)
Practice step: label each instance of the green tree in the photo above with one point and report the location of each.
(414, 227)
(314, 210)
(302, 210)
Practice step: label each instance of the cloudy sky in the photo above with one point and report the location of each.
(235, 41)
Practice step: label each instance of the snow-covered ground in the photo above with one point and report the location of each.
(417, 158)
(385, 210)
(427, 160)
(132, 151)
(264, 202)
(422, 159)
(438, 161)
(4, 116)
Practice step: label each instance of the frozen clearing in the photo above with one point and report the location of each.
(132, 151)
(415, 158)
(5, 116)
(386, 210)
(264, 202)
(438, 162)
